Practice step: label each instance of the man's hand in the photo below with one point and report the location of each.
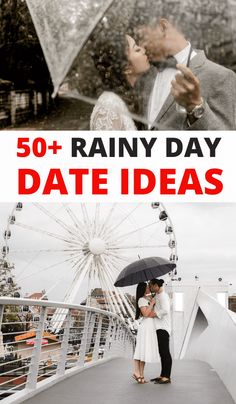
(186, 88)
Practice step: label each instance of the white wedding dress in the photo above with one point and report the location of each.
(111, 113)
(146, 349)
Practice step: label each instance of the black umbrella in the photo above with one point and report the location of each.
(143, 270)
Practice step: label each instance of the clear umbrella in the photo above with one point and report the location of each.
(63, 27)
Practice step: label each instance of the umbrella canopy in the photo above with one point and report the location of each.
(63, 27)
(143, 270)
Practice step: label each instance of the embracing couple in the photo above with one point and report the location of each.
(153, 331)
(153, 72)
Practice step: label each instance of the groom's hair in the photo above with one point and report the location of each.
(140, 17)
(151, 14)
(158, 282)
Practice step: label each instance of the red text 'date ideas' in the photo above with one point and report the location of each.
(127, 181)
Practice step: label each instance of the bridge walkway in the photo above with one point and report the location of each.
(111, 383)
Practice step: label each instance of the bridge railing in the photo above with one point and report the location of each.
(34, 357)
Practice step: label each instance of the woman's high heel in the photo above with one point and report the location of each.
(137, 378)
(143, 381)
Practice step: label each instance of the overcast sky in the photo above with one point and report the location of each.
(206, 247)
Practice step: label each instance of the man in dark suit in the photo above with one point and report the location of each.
(190, 93)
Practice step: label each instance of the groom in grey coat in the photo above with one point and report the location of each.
(192, 94)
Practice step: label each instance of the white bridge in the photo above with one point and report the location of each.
(91, 359)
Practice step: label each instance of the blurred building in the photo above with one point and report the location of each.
(37, 295)
(30, 314)
(24, 344)
(101, 299)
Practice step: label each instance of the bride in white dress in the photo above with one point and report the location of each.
(120, 62)
(146, 349)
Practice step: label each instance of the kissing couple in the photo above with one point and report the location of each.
(153, 331)
(152, 78)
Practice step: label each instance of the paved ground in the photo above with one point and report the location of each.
(67, 114)
(192, 382)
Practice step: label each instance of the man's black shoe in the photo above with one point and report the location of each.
(160, 381)
(156, 379)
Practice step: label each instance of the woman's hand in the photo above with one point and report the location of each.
(153, 302)
(148, 312)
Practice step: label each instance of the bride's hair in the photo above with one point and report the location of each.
(109, 54)
(140, 292)
(110, 60)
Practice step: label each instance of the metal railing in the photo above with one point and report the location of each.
(33, 357)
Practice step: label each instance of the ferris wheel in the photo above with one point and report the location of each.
(77, 247)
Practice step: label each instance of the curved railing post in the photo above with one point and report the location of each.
(83, 344)
(2, 354)
(35, 360)
(64, 345)
(119, 338)
(97, 340)
(108, 339)
(114, 337)
(1, 314)
(91, 327)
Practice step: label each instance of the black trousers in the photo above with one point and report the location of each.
(163, 339)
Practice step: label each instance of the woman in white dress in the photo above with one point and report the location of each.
(120, 63)
(146, 349)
